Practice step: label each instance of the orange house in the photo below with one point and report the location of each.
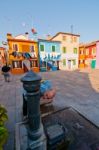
(81, 56)
(87, 53)
(19, 48)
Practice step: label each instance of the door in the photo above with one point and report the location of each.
(69, 64)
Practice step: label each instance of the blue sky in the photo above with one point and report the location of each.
(50, 17)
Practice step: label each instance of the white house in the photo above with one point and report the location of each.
(69, 50)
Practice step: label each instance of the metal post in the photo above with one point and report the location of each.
(36, 136)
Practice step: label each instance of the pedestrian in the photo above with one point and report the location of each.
(6, 72)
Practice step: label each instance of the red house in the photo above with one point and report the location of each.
(90, 53)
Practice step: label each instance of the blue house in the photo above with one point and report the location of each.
(49, 55)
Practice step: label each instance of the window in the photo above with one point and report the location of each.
(32, 49)
(81, 52)
(81, 61)
(53, 48)
(64, 49)
(87, 51)
(71, 38)
(42, 48)
(17, 64)
(64, 62)
(34, 63)
(75, 50)
(94, 50)
(32, 52)
(64, 38)
(75, 39)
(74, 62)
(15, 47)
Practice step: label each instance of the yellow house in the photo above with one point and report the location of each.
(20, 48)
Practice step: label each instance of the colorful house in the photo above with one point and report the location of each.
(69, 50)
(87, 55)
(49, 53)
(20, 48)
(90, 54)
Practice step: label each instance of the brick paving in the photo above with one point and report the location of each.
(78, 89)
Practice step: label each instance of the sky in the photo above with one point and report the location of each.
(50, 17)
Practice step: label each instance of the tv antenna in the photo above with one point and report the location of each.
(71, 29)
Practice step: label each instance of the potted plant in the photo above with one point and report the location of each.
(3, 129)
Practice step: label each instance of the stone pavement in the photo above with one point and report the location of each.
(78, 89)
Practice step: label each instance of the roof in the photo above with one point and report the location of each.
(88, 44)
(21, 40)
(48, 40)
(21, 36)
(65, 34)
(2, 48)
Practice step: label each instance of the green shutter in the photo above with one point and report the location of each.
(53, 48)
(74, 62)
(75, 50)
(41, 47)
(64, 62)
(64, 49)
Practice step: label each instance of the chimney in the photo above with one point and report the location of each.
(9, 35)
(48, 37)
(27, 35)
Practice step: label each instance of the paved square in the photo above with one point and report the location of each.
(79, 89)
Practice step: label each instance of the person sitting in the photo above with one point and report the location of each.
(46, 89)
(47, 93)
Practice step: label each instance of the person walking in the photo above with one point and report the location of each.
(6, 72)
